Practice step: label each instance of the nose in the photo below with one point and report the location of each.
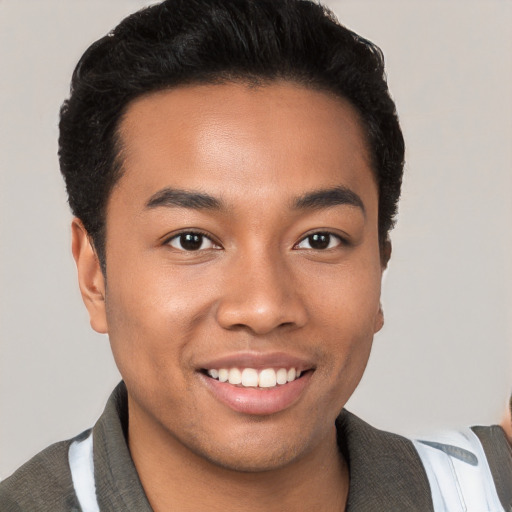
(260, 294)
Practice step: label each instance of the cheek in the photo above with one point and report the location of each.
(152, 315)
(344, 313)
(345, 297)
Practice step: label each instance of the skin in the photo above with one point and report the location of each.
(506, 422)
(258, 287)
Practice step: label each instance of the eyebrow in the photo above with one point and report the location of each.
(327, 198)
(183, 198)
(317, 199)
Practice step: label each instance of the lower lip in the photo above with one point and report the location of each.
(258, 401)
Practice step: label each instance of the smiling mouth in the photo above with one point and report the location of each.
(251, 378)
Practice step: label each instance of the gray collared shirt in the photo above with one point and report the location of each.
(386, 473)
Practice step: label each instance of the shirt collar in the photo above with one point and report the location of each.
(386, 472)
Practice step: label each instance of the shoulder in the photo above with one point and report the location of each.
(498, 452)
(369, 445)
(470, 465)
(42, 484)
(386, 472)
(392, 472)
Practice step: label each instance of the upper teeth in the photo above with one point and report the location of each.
(249, 377)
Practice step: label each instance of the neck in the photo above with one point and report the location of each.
(175, 478)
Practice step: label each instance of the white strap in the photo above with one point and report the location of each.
(458, 472)
(81, 463)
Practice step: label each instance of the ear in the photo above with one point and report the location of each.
(90, 276)
(385, 255)
(379, 320)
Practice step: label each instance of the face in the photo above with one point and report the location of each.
(242, 244)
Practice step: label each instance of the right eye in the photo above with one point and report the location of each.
(192, 241)
(320, 241)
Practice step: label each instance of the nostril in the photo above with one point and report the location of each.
(259, 320)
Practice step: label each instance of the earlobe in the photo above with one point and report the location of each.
(90, 276)
(379, 320)
(385, 255)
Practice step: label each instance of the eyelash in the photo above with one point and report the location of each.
(341, 240)
(193, 233)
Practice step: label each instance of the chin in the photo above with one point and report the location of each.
(252, 451)
(254, 461)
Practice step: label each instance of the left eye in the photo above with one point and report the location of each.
(191, 242)
(319, 241)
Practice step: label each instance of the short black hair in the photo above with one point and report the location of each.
(180, 42)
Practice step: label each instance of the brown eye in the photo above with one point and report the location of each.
(191, 242)
(319, 241)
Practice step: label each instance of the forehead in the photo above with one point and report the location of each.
(233, 139)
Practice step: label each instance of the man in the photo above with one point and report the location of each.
(234, 169)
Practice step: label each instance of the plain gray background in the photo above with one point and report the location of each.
(444, 357)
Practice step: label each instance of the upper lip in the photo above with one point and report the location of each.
(258, 361)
